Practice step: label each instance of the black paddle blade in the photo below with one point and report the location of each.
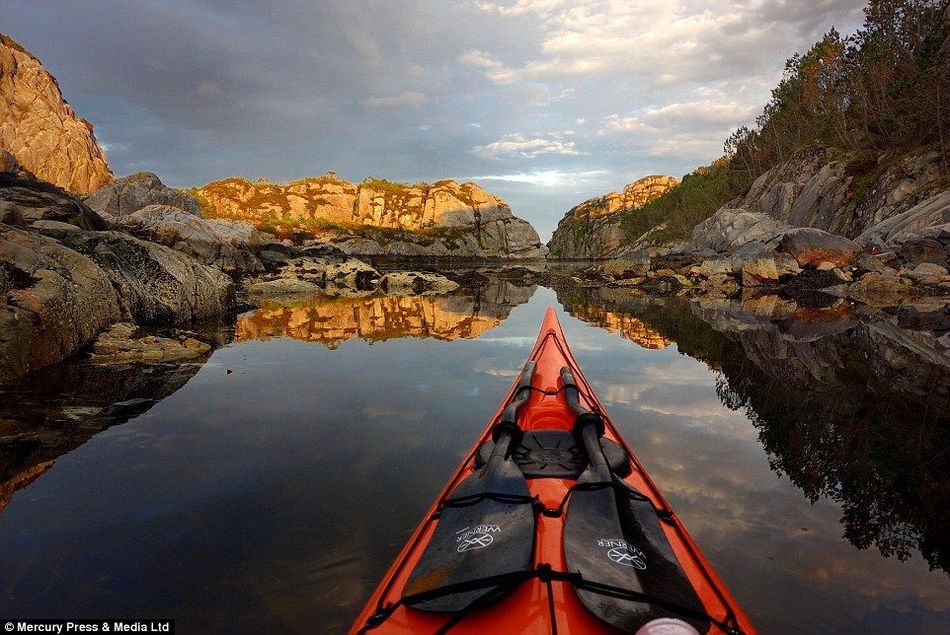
(490, 537)
(617, 541)
(663, 577)
(595, 547)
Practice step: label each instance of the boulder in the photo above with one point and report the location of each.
(416, 283)
(810, 246)
(283, 287)
(229, 245)
(154, 283)
(729, 229)
(127, 195)
(929, 273)
(350, 272)
(41, 130)
(53, 301)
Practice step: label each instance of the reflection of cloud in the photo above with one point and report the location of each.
(390, 411)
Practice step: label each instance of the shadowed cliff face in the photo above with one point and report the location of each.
(850, 407)
(330, 321)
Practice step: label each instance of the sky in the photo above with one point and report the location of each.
(543, 102)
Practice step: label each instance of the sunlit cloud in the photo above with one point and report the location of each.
(519, 146)
(544, 178)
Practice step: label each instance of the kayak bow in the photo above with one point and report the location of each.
(556, 529)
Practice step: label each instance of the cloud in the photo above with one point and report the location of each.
(545, 178)
(405, 99)
(661, 43)
(694, 128)
(518, 146)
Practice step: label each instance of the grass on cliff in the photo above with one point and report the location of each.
(695, 199)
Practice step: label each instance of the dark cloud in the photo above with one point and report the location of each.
(524, 92)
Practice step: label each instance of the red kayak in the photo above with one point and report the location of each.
(551, 525)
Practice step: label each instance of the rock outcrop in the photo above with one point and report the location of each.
(231, 246)
(41, 130)
(127, 195)
(377, 217)
(63, 280)
(592, 229)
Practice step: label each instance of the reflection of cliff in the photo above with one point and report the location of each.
(849, 407)
(53, 411)
(330, 321)
(628, 326)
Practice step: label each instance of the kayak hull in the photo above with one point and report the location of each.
(536, 606)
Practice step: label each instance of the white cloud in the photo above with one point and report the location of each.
(546, 178)
(479, 59)
(684, 129)
(661, 43)
(406, 99)
(521, 7)
(519, 146)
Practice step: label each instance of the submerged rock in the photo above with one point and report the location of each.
(124, 342)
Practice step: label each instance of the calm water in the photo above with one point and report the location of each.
(275, 496)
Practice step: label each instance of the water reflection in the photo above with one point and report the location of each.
(331, 320)
(57, 409)
(232, 501)
(852, 408)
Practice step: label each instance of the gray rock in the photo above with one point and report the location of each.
(24, 201)
(154, 283)
(129, 194)
(53, 301)
(226, 244)
(729, 229)
(416, 283)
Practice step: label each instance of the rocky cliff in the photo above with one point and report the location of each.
(592, 229)
(41, 130)
(377, 217)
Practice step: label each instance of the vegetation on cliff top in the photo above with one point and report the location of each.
(884, 89)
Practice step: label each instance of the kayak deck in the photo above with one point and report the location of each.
(539, 605)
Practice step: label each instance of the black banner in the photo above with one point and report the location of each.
(87, 626)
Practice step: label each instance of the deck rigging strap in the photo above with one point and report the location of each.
(545, 573)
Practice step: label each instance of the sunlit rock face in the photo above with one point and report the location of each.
(592, 230)
(330, 321)
(41, 130)
(378, 217)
